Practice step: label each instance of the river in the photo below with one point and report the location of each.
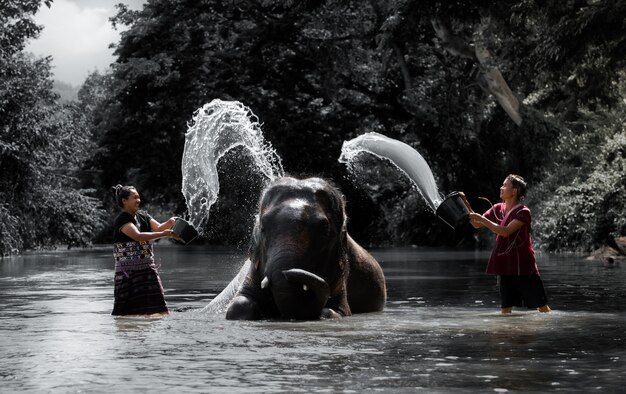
(441, 330)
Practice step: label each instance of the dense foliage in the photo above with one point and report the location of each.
(480, 89)
(582, 201)
(42, 146)
(318, 73)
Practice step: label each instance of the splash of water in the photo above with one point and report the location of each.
(404, 157)
(216, 128)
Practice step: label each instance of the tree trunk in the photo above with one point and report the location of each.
(490, 75)
(404, 69)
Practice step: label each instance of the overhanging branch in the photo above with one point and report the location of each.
(490, 76)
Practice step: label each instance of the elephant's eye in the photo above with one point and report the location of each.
(322, 225)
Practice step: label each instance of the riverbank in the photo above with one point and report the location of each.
(614, 252)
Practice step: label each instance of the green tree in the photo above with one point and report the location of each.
(581, 200)
(40, 145)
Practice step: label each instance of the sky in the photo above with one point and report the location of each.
(77, 34)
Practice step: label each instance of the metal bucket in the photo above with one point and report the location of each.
(453, 210)
(184, 230)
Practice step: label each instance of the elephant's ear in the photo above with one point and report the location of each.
(255, 242)
(343, 212)
(344, 224)
(343, 234)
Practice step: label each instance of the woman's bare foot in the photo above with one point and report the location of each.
(544, 309)
(506, 311)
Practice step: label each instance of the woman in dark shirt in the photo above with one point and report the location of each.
(138, 289)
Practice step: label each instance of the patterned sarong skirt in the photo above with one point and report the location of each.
(138, 289)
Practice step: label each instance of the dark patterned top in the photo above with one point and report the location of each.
(141, 220)
(131, 255)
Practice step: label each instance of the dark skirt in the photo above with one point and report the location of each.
(522, 291)
(138, 293)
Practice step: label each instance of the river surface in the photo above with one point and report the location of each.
(441, 330)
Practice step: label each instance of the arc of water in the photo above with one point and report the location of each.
(216, 128)
(403, 156)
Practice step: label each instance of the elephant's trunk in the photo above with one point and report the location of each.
(309, 281)
(299, 294)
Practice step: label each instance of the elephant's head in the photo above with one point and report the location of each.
(298, 246)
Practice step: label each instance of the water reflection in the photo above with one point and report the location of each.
(441, 331)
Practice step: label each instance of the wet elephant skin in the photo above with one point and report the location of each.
(304, 265)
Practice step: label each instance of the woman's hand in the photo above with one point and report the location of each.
(476, 220)
(169, 233)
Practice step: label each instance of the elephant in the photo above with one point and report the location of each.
(303, 264)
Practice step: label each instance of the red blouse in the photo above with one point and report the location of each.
(512, 255)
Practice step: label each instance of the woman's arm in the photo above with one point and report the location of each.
(471, 211)
(156, 226)
(133, 232)
(478, 220)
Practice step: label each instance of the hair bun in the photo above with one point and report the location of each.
(116, 189)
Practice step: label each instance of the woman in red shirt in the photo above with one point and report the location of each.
(513, 257)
